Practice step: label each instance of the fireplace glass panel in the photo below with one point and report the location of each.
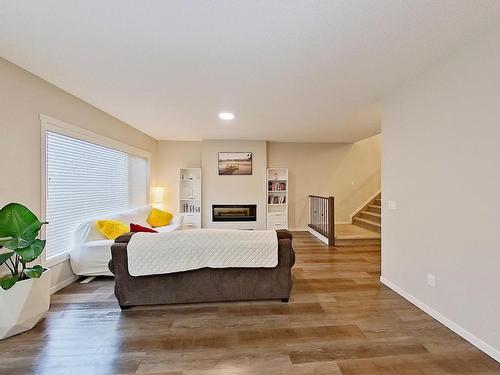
(234, 212)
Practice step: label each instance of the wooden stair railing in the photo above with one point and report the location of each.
(322, 216)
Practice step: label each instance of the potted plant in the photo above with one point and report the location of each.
(25, 290)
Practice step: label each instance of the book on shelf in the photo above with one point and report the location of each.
(277, 199)
(277, 186)
(190, 208)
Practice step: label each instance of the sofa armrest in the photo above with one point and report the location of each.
(286, 254)
(124, 238)
(283, 233)
(118, 265)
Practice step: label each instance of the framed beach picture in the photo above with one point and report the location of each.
(235, 163)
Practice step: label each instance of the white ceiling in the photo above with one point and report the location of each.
(291, 70)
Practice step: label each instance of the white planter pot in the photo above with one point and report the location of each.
(24, 305)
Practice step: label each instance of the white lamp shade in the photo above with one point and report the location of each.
(157, 193)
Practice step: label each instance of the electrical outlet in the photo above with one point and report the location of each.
(431, 280)
(392, 205)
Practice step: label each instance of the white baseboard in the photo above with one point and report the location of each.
(478, 343)
(63, 284)
(306, 229)
(318, 235)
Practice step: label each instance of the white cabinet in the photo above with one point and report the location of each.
(277, 198)
(190, 197)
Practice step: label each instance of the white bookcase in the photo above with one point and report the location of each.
(277, 198)
(190, 197)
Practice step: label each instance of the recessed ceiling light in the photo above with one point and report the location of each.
(226, 116)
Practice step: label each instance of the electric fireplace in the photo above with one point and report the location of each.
(234, 212)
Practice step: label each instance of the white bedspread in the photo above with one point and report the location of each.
(160, 253)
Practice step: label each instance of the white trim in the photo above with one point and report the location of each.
(478, 343)
(57, 259)
(364, 204)
(317, 235)
(306, 229)
(43, 199)
(63, 284)
(61, 127)
(48, 123)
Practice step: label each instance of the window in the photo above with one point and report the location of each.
(84, 180)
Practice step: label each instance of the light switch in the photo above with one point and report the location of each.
(431, 280)
(392, 205)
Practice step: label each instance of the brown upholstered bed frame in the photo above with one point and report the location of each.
(203, 285)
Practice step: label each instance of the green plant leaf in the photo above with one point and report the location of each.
(8, 282)
(34, 272)
(6, 256)
(31, 252)
(18, 226)
(9, 242)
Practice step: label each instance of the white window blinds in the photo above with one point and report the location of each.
(85, 180)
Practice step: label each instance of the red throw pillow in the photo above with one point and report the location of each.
(140, 228)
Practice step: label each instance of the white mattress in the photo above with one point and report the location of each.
(154, 254)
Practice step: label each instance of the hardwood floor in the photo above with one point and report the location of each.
(340, 320)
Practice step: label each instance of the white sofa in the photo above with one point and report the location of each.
(91, 251)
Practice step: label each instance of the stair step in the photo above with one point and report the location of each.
(372, 216)
(356, 242)
(368, 224)
(367, 221)
(373, 208)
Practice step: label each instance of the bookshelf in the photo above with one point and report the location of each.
(190, 197)
(277, 198)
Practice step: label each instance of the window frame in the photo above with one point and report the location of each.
(48, 123)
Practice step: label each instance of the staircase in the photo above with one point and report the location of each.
(369, 217)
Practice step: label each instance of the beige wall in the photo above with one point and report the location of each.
(349, 172)
(441, 161)
(173, 155)
(23, 97)
(326, 169)
(249, 189)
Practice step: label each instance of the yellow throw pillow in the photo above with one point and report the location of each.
(159, 218)
(111, 228)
